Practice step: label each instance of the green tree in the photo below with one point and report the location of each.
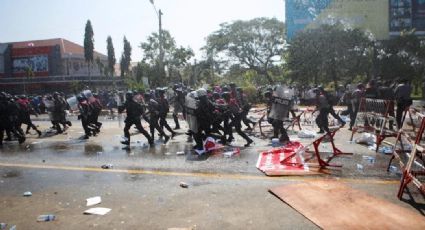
(175, 58)
(256, 44)
(125, 58)
(329, 53)
(111, 56)
(88, 45)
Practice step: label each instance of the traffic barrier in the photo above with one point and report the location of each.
(372, 117)
(322, 163)
(411, 162)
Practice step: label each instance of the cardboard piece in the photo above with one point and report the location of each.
(333, 205)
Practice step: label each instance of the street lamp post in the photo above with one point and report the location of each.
(161, 51)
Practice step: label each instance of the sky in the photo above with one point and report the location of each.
(189, 21)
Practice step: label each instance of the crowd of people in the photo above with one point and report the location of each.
(217, 112)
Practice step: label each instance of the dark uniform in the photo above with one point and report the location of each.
(134, 112)
(164, 108)
(153, 118)
(403, 99)
(84, 115)
(236, 118)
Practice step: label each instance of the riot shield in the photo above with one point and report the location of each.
(191, 105)
(281, 103)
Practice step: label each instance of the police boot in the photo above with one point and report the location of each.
(176, 120)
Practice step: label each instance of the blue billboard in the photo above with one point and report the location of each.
(300, 13)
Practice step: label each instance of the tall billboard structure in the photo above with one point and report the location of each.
(382, 18)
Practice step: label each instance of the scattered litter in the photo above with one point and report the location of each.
(97, 211)
(306, 134)
(27, 146)
(93, 200)
(99, 153)
(3, 226)
(28, 193)
(385, 150)
(168, 154)
(372, 147)
(359, 167)
(366, 138)
(45, 218)
(235, 151)
(107, 166)
(184, 185)
(13, 227)
(180, 153)
(43, 161)
(369, 159)
(394, 169)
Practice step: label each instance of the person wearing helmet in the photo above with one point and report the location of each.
(13, 124)
(235, 112)
(96, 108)
(84, 109)
(134, 112)
(355, 103)
(24, 114)
(153, 117)
(178, 104)
(245, 106)
(205, 116)
(164, 108)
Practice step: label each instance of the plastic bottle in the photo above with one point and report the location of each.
(44, 218)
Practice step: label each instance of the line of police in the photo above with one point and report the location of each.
(207, 113)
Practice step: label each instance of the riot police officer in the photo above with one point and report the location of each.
(134, 112)
(153, 117)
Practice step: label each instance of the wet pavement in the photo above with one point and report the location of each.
(143, 186)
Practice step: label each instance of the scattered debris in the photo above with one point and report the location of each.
(360, 167)
(3, 226)
(13, 227)
(394, 169)
(45, 218)
(107, 166)
(306, 134)
(180, 153)
(385, 150)
(28, 193)
(184, 185)
(235, 151)
(369, 159)
(366, 138)
(97, 211)
(93, 200)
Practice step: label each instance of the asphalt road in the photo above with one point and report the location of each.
(143, 187)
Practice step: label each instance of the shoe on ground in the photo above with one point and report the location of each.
(21, 140)
(39, 133)
(125, 142)
(249, 143)
(167, 138)
(85, 137)
(342, 124)
(320, 132)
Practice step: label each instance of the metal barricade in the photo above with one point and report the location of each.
(322, 163)
(372, 117)
(412, 161)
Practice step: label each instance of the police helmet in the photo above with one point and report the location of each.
(129, 95)
(201, 92)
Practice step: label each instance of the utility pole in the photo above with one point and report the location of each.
(160, 40)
